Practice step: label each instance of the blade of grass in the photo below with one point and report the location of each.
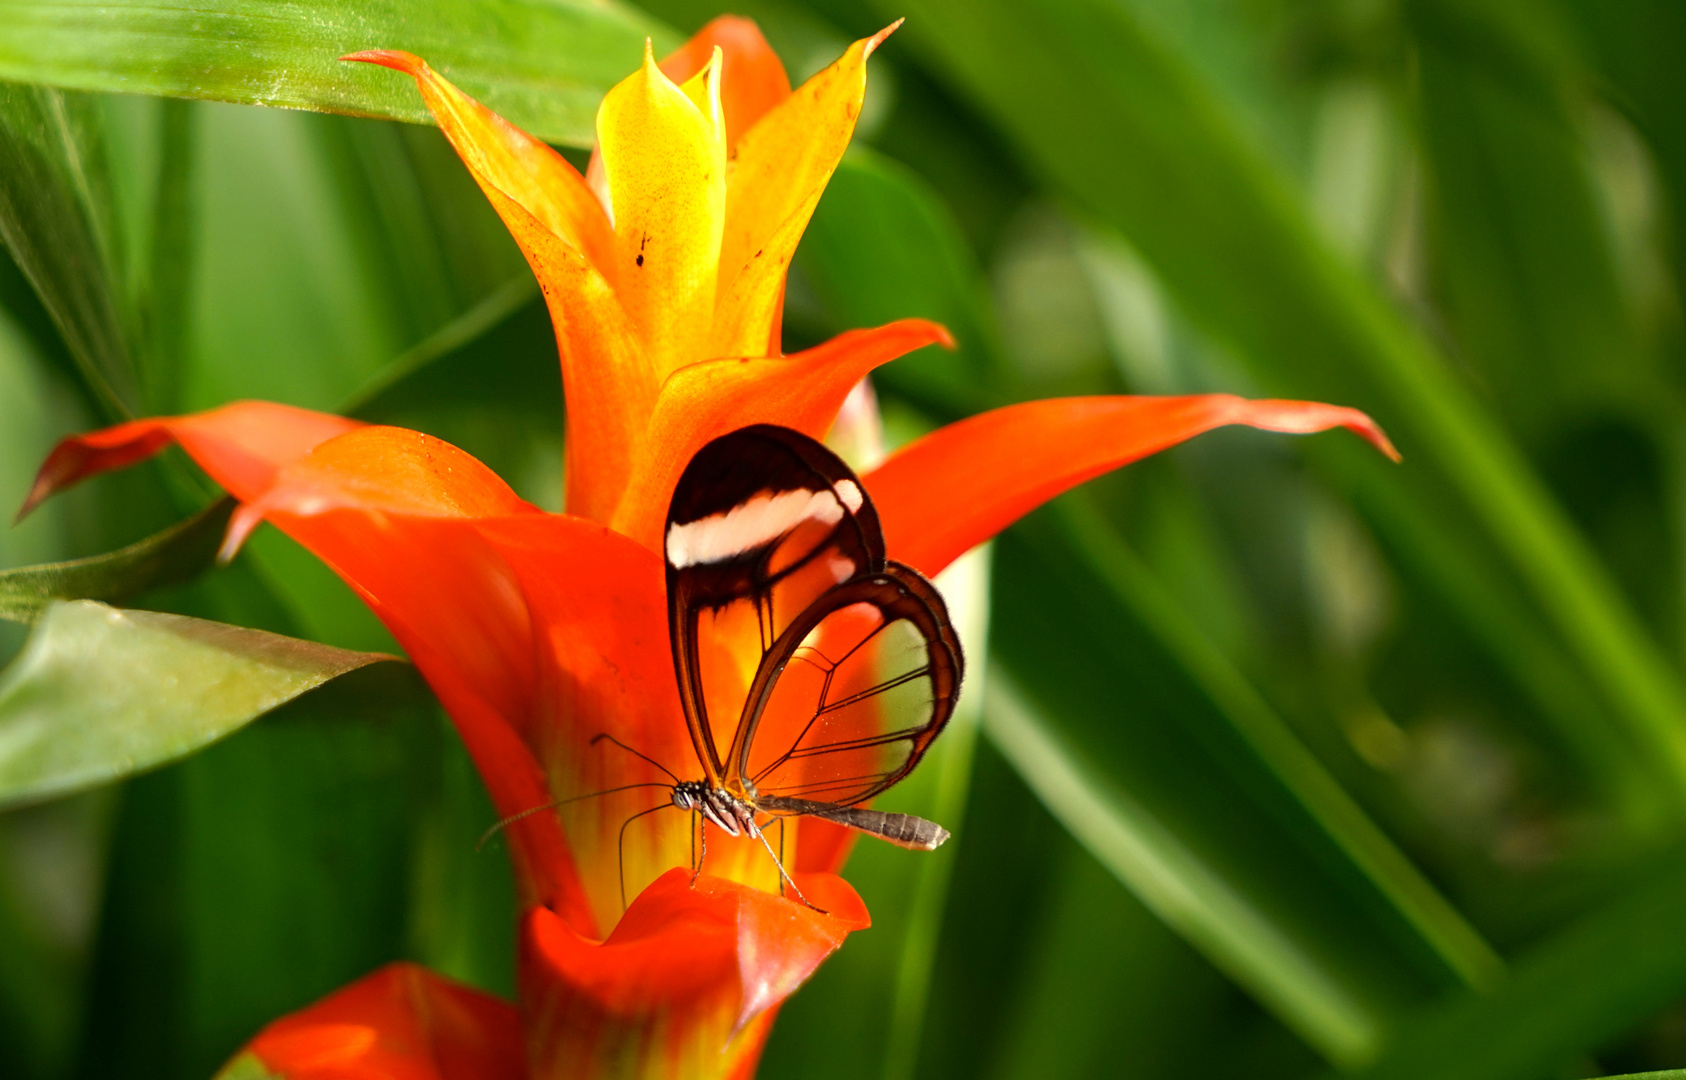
(172, 557)
(544, 67)
(55, 220)
(1176, 883)
(1128, 131)
(1344, 822)
(1589, 983)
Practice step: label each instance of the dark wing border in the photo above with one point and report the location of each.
(901, 592)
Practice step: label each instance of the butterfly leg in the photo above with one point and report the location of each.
(784, 876)
(702, 835)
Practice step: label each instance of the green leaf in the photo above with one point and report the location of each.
(1635, 45)
(172, 557)
(1280, 752)
(259, 876)
(1122, 745)
(1521, 250)
(1127, 129)
(56, 219)
(99, 693)
(493, 310)
(543, 66)
(881, 246)
(1581, 988)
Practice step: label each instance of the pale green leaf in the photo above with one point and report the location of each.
(100, 693)
(543, 66)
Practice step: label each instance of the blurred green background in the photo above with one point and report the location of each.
(1292, 762)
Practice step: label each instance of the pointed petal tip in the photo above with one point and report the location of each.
(246, 518)
(396, 59)
(877, 39)
(1378, 438)
(1360, 424)
(39, 492)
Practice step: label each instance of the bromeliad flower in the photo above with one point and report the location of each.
(663, 267)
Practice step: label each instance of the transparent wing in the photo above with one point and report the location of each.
(853, 693)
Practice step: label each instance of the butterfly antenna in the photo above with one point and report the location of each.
(601, 736)
(531, 810)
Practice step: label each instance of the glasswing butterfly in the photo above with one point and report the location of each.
(771, 541)
(838, 666)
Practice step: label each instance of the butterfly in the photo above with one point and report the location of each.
(837, 667)
(814, 672)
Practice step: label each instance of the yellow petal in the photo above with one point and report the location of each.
(774, 183)
(507, 159)
(665, 162)
(705, 400)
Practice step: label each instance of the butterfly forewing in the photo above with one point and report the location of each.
(764, 522)
(853, 694)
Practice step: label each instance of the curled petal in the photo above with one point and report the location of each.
(401, 1023)
(964, 483)
(399, 516)
(752, 80)
(778, 173)
(507, 160)
(683, 986)
(385, 469)
(241, 445)
(705, 400)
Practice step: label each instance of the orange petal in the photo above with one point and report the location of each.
(778, 173)
(665, 161)
(241, 445)
(685, 984)
(397, 514)
(964, 483)
(386, 469)
(706, 400)
(608, 382)
(508, 160)
(598, 605)
(401, 1023)
(752, 79)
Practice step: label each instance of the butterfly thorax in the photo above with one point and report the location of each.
(733, 815)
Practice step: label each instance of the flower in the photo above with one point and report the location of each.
(663, 267)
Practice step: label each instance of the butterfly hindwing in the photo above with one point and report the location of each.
(810, 667)
(852, 697)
